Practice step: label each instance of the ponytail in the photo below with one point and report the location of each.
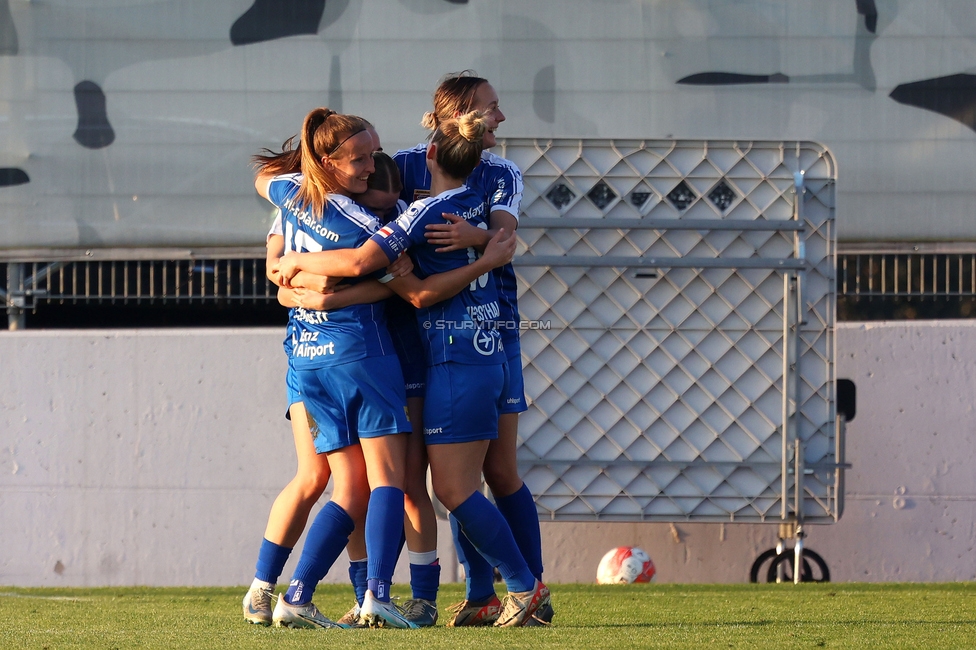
(323, 132)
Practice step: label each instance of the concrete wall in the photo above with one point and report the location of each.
(151, 457)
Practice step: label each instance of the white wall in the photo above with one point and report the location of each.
(152, 457)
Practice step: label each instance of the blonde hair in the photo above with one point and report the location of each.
(275, 163)
(323, 133)
(459, 144)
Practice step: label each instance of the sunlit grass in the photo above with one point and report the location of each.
(587, 617)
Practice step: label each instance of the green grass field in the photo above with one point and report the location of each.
(588, 617)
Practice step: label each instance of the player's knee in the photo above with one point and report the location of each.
(450, 496)
(415, 487)
(312, 482)
(502, 480)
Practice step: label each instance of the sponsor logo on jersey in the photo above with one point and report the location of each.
(485, 342)
(420, 194)
(311, 350)
(484, 313)
(308, 316)
(310, 222)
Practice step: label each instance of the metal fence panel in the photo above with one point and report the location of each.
(678, 306)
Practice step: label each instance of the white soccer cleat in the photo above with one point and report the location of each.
(375, 613)
(520, 607)
(257, 603)
(298, 616)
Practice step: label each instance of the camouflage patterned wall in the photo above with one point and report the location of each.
(130, 122)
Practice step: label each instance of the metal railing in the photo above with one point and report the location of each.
(28, 286)
(907, 275)
(894, 281)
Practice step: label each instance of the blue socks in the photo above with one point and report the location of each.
(488, 532)
(357, 576)
(479, 578)
(520, 512)
(384, 528)
(271, 561)
(326, 538)
(425, 578)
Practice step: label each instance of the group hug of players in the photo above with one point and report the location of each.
(403, 346)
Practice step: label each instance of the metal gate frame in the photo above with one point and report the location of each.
(604, 209)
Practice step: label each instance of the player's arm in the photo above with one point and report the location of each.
(316, 283)
(441, 286)
(343, 263)
(261, 183)
(276, 248)
(359, 294)
(459, 234)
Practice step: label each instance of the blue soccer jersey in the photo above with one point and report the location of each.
(499, 182)
(464, 328)
(326, 338)
(401, 320)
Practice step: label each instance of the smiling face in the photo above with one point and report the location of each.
(352, 163)
(486, 101)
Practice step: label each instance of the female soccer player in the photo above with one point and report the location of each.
(350, 379)
(291, 508)
(467, 375)
(499, 182)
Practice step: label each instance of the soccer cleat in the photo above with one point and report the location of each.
(257, 605)
(542, 616)
(296, 616)
(376, 613)
(475, 612)
(421, 612)
(520, 606)
(351, 618)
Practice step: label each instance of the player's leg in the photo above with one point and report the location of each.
(454, 470)
(325, 392)
(461, 426)
(383, 424)
(480, 605)
(384, 527)
(512, 496)
(326, 538)
(420, 525)
(289, 514)
(358, 564)
(290, 510)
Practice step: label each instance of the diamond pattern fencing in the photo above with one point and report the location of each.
(678, 303)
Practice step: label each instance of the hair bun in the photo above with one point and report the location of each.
(429, 121)
(472, 126)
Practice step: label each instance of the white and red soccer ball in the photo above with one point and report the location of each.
(623, 565)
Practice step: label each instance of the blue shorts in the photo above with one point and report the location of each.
(414, 377)
(294, 390)
(513, 401)
(401, 320)
(362, 399)
(463, 402)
